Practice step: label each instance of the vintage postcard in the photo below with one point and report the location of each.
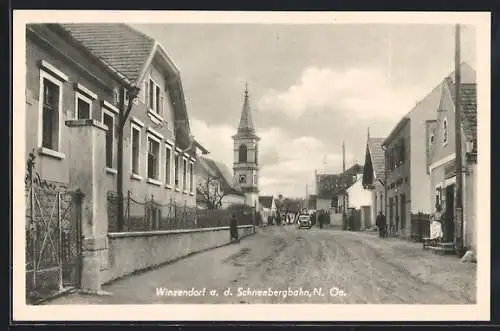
(251, 166)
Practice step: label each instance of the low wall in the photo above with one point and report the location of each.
(135, 251)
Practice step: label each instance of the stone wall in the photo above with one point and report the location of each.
(134, 251)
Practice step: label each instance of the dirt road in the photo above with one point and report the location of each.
(287, 265)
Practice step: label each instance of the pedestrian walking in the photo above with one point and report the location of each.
(381, 225)
(234, 228)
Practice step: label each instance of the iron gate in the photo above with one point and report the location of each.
(53, 237)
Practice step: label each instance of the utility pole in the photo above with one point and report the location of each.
(127, 98)
(458, 148)
(307, 198)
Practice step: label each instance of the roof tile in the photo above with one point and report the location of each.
(122, 47)
(377, 156)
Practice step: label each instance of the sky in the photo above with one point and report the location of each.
(311, 87)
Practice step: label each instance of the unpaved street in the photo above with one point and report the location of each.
(284, 263)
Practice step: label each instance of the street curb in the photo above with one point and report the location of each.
(177, 259)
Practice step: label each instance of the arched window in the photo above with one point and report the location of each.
(243, 153)
(445, 131)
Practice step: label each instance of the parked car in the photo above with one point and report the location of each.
(304, 221)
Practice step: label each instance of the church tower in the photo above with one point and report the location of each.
(246, 155)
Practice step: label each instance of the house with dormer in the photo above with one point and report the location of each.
(441, 148)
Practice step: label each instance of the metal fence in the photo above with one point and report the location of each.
(53, 234)
(149, 214)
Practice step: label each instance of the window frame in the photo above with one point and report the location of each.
(177, 181)
(185, 174)
(242, 147)
(135, 127)
(156, 98)
(112, 114)
(149, 137)
(168, 174)
(191, 177)
(58, 79)
(81, 96)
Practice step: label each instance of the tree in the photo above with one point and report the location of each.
(209, 192)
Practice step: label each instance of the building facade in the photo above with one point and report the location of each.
(331, 193)
(84, 82)
(398, 189)
(441, 158)
(361, 199)
(406, 158)
(246, 156)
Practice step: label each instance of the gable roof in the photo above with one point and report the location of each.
(432, 100)
(266, 201)
(468, 108)
(220, 171)
(377, 156)
(331, 185)
(124, 48)
(130, 52)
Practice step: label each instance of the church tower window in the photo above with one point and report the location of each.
(243, 153)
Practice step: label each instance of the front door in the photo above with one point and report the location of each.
(449, 231)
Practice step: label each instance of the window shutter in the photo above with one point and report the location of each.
(146, 93)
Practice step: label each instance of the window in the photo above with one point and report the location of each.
(431, 139)
(176, 165)
(83, 107)
(154, 97)
(191, 179)
(243, 153)
(153, 158)
(445, 132)
(168, 161)
(184, 174)
(51, 97)
(402, 151)
(136, 147)
(255, 179)
(109, 120)
(438, 198)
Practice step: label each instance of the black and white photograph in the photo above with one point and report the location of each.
(323, 166)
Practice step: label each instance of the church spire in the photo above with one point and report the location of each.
(246, 122)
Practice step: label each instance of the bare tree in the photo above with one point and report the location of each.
(209, 192)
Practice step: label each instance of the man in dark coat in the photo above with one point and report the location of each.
(234, 227)
(381, 224)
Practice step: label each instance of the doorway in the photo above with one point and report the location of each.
(448, 222)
